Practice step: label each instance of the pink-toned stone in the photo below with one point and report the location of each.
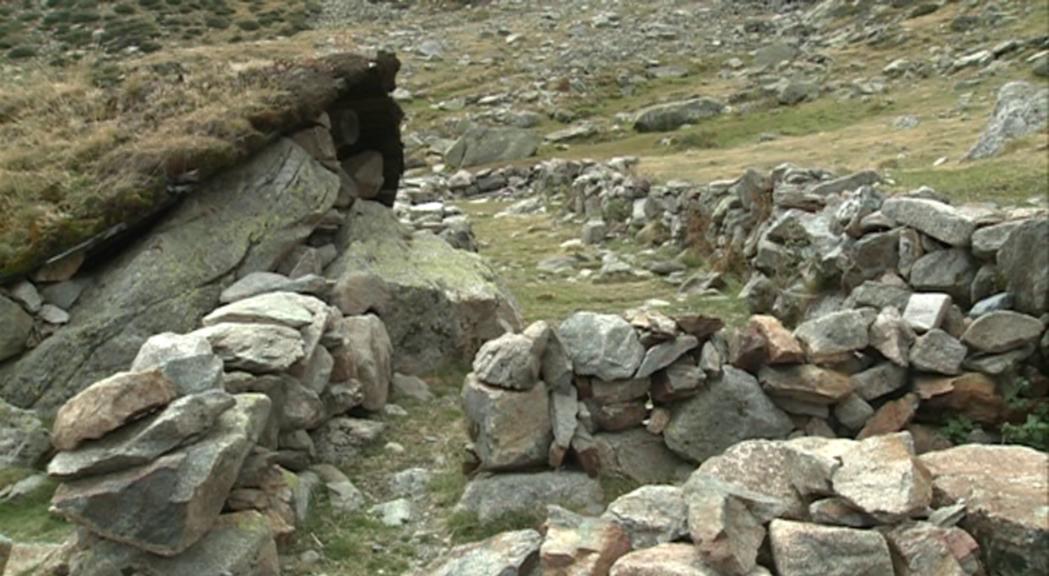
(891, 417)
(783, 347)
(663, 560)
(109, 404)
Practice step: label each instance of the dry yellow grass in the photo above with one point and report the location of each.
(93, 146)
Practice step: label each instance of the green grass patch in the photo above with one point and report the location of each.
(27, 520)
(515, 245)
(466, 526)
(1006, 179)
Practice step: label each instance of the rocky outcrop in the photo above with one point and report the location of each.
(437, 303)
(1021, 109)
(244, 221)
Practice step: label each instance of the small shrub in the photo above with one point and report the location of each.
(1034, 432)
(124, 9)
(149, 3)
(957, 429)
(21, 52)
(217, 22)
(57, 17)
(248, 25)
(85, 17)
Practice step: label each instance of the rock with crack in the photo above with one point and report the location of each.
(243, 220)
(166, 506)
(438, 304)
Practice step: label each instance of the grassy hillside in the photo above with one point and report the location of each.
(65, 30)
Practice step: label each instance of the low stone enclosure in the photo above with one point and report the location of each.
(206, 381)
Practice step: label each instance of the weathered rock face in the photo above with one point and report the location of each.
(667, 117)
(145, 440)
(577, 545)
(925, 548)
(256, 348)
(483, 145)
(17, 326)
(663, 560)
(1027, 270)
(1021, 109)
(24, 440)
(494, 497)
(365, 355)
(830, 336)
(806, 549)
(109, 404)
(732, 408)
(439, 303)
(239, 544)
(181, 493)
(1002, 331)
(602, 345)
(510, 429)
(508, 362)
(939, 220)
(508, 554)
(882, 478)
(651, 515)
(240, 222)
(1006, 493)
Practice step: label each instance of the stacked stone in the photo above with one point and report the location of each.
(641, 395)
(803, 506)
(194, 451)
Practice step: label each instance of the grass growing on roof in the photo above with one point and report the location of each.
(93, 146)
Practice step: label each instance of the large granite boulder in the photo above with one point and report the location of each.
(510, 428)
(602, 345)
(365, 354)
(242, 221)
(800, 549)
(673, 115)
(941, 221)
(731, 409)
(143, 441)
(166, 506)
(1025, 269)
(239, 544)
(1006, 494)
(1021, 109)
(484, 145)
(17, 326)
(439, 304)
(24, 439)
(507, 554)
(493, 497)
